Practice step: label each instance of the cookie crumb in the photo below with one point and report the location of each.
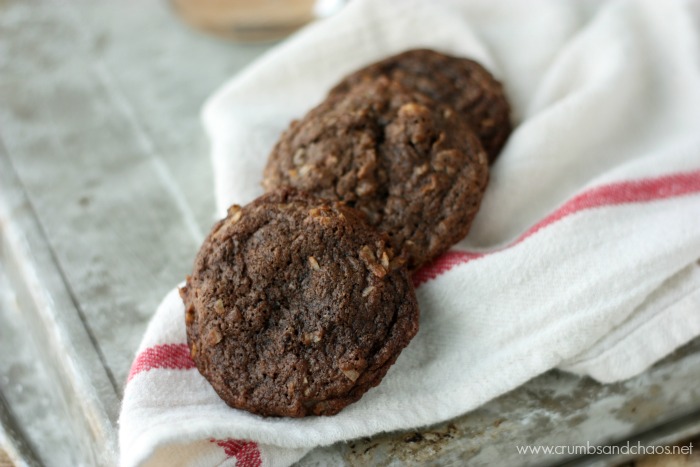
(314, 264)
(385, 260)
(234, 213)
(299, 157)
(214, 336)
(352, 375)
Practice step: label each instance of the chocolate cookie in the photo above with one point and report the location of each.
(296, 306)
(459, 82)
(412, 165)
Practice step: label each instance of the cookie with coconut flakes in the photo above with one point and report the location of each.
(296, 306)
(413, 166)
(458, 82)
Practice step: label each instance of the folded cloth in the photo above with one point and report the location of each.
(584, 255)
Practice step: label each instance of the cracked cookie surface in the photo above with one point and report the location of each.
(413, 166)
(459, 82)
(296, 306)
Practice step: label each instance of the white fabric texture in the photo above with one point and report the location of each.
(584, 255)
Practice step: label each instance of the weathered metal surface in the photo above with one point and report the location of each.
(55, 380)
(105, 192)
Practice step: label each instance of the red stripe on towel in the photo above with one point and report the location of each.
(171, 356)
(177, 357)
(247, 453)
(639, 191)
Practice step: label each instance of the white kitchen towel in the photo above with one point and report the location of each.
(584, 254)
